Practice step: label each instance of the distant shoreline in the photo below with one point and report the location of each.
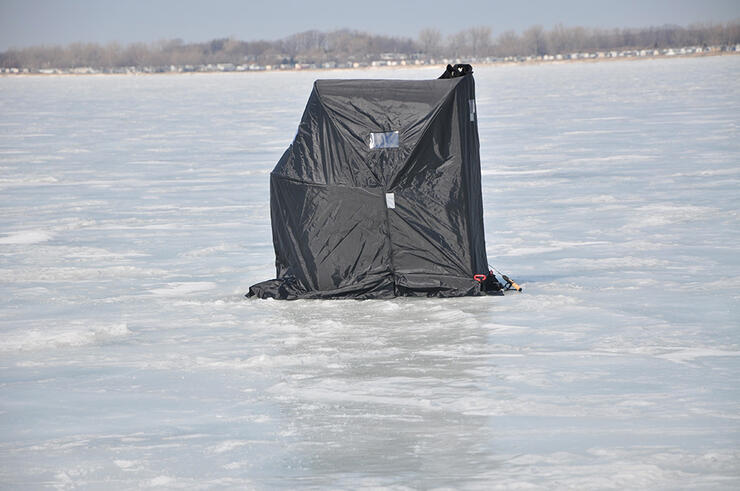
(407, 66)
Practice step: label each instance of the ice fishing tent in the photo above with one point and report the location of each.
(379, 195)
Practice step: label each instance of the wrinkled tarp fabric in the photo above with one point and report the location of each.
(335, 235)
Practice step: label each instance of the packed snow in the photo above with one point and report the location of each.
(135, 215)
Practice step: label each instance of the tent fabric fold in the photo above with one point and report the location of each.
(379, 195)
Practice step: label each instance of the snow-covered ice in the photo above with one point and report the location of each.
(134, 216)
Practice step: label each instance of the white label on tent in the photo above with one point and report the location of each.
(471, 103)
(390, 200)
(388, 139)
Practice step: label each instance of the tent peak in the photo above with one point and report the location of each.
(458, 70)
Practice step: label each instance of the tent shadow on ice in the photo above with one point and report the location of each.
(379, 195)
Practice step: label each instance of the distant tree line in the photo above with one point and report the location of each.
(342, 46)
(537, 41)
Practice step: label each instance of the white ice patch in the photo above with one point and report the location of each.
(22, 181)
(587, 200)
(74, 150)
(227, 446)
(26, 237)
(209, 251)
(160, 481)
(56, 337)
(610, 263)
(503, 171)
(708, 173)
(657, 215)
(690, 354)
(176, 289)
(129, 465)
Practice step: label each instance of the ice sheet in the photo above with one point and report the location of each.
(135, 214)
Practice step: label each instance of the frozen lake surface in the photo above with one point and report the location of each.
(134, 216)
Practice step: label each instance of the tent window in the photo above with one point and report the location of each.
(388, 139)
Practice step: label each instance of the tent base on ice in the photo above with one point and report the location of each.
(379, 195)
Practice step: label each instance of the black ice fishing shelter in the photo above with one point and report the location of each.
(379, 195)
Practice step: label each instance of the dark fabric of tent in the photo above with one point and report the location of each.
(379, 195)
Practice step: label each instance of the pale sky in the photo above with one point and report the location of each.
(36, 22)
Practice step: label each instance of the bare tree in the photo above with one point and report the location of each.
(430, 40)
(480, 40)
(508, 43)
(535, 42)
(459, 44)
